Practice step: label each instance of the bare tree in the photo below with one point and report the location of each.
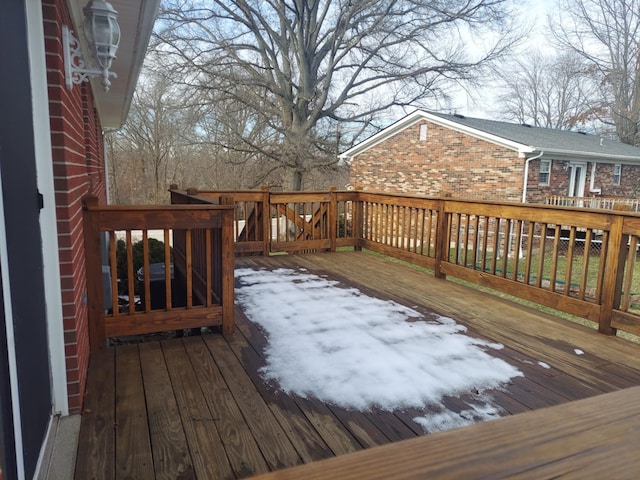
(316, 71)
(553, 91)
(606, 33)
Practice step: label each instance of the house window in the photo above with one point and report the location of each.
(545, 172)
(617, 173)
(423, 132)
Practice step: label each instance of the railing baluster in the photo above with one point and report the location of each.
(113, 266)
(485, 240)
(516, 250)
(496, 244)
(130, 273)
(146, 273)
(189, 267)
(530, 243)
(584, 276)
(506, 240)
(554, 259)
(569, 266)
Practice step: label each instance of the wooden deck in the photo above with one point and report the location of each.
(196, 407)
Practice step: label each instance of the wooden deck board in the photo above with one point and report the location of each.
(96, 450)
(207, 449)
(171, 458)
(133, 445)
(274, 443)
(197, 407)
(576, 440)
(291, 416)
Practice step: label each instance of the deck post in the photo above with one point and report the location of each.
(266, 221)
(93, 269)
(358, 222)
(617, 248)
(191, 192)
(227, 261)
(441, 240)
(332, 218)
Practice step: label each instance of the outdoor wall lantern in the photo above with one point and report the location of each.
(102, 32)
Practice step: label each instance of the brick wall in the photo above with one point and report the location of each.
(560, 175)
(446, 162)
(78, 165)
(449, 162)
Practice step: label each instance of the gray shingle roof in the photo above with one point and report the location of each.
(548, 139)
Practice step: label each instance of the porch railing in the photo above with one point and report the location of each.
(608, 203)
(577, 261)
(188, 284)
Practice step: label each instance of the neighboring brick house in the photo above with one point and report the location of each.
(51, 156)
(432, 154)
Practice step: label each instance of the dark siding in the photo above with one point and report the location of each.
(20, 195)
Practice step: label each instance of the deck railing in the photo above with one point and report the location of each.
(189, 286)
(577, 261)
(608, 203)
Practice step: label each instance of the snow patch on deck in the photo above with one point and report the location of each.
(343, 347)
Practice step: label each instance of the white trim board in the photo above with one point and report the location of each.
(48, 226)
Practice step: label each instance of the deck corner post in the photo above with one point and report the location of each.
(266, 220)
(93, 269)
(228, 259)
(332, 218)
(617, 252)
(191, 192)
(441, 240)
(89, 201)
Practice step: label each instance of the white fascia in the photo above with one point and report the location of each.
(420, 115)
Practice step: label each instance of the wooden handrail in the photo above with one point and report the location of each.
(573, 259)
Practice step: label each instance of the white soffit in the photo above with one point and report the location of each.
(136, 19)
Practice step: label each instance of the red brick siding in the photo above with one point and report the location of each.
(560, 174)
(467, 167)
(558, 181)
(447, 162)
(78, 166)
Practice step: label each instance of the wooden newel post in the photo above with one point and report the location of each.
(332, 218)
(93, 269)
(266, 220)
(227, 262)
(617, 252)
(358, 222)
(442, 232)
(191, 192)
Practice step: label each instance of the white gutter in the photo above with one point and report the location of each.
(526, 174)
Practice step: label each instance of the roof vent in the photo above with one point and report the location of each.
(458, 115)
